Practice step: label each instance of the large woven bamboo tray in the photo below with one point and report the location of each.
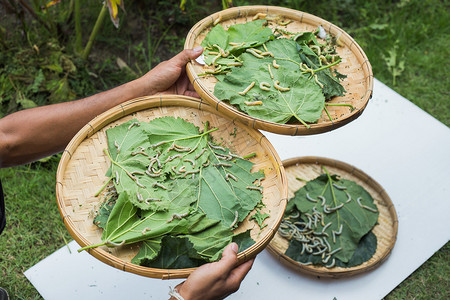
(358, 84)
(386, 229)
(81, 173)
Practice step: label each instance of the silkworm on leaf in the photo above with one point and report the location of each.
(333, 262)
(144, 231)
(134, 124)
(254, 188)
(249, 103)
(270, 73)
(247, 89)
(157, 184)
(265, 86)
(236, 217)
(228, 176)
(147, 201)
(200, 154)
(310, 199)
(177, 216)
(112, 244)
(366, 207)
(117, 146)
(275, 65)
(276, 84)
(254, 53)
(191, 161)
(222, 165)
(317, 81)
(216, 147)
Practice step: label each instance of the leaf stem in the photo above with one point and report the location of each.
(249, 155)
(103, 187)
(91, 246)
(328, 114)
(341, 104)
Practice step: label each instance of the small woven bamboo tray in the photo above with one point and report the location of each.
(386, 229)
(81, 173)
(358, 84)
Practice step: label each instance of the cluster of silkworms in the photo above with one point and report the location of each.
(313, 241)
(306, 230)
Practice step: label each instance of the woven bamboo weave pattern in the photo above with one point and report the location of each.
(309, 168)
(82, 169)
(358, 84)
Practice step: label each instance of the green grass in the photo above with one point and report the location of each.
(415, 32)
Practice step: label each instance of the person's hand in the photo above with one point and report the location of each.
(169, 77)
(216, 280)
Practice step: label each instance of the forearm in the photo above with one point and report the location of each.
(35, 133)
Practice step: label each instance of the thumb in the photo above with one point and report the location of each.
(229, 256)
(182, 58)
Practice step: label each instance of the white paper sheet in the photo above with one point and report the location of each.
(400, 146)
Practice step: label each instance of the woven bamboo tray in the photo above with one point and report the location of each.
(386, 229)
(81, 173)
(358, 84)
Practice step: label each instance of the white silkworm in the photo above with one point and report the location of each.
(117, 146)
(255, 188)
(276, 84)
(339, 187)
(234, 64)
(206, 163)
(310, 199)
(316, 79)
(182, 169)
(332, 263)
(170, 158)
(117, 178)
(151, 174)
(335, 251)
(253, 103)
(112, 244)
(213, 53)
(366, 207)
(228, 176)
(340, 230)
(259, 16)
(137, 172)
(139, 184)
(144, 231)
(267, 53)
(327, 258)
(200, 154)
(147, 201)
(216, 21)
(322, 198)
(253, 52)
(326, 227)
(236, 217)
(158, 144)
(134, 124)
(235, 155)
(265, 86)
(139, 196)
(191, 172)
(275, 65)
(270, 72)
(247, 89)
(216, 147)
(157, 184)
(349, 198)
(222, 165)
(191, 161)
(177, 216)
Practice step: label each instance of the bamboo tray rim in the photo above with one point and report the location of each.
(341, 272)
(142, 104)
(257, 123)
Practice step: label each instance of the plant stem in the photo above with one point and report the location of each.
(249, 156)
(328, 114)
(340, 104)
(78, 35)
(95, 30)
(103, 187)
